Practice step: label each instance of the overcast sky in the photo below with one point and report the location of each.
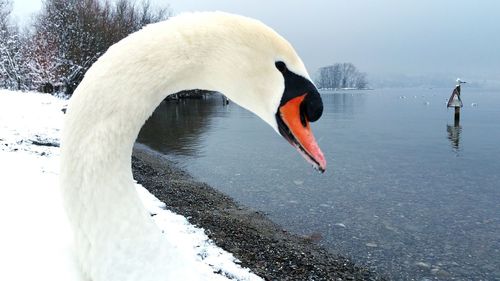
(385, 37)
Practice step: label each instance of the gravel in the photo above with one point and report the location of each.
(261, 245)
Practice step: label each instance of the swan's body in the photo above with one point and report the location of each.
(114, 235)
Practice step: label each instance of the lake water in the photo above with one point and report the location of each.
(407, 192)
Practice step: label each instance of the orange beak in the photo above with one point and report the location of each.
(298, 132)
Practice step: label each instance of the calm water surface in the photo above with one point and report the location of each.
(407, 191)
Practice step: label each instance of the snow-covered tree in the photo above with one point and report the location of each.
(12, 67)
(71, 34)
(66, 38)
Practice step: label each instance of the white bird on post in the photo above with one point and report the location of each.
(455, 100)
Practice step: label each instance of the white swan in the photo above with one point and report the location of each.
(244, 59)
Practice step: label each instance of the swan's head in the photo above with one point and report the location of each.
(259, 70)
(282, 94)
(288, 101)
(300, 103)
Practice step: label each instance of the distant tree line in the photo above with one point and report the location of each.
(64, 39)
(341, 76)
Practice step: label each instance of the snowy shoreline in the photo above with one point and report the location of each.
(36, 232)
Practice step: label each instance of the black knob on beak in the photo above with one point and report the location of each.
(312, 106)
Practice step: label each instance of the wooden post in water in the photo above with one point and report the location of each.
(455, 101)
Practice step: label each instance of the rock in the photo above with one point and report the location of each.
(423, 265)
(440, 272)
(45, 142)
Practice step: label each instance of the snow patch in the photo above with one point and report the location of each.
(36, 240)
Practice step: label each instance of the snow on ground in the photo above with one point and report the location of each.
(35, 237)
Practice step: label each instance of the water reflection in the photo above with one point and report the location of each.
(178, 126)
(454, 132)
(341, 103)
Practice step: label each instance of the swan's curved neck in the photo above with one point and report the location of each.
(115, 238)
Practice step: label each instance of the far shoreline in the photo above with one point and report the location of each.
(260, 244)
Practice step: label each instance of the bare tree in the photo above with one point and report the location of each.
(361, 82)
(341, 75)
(5, 10)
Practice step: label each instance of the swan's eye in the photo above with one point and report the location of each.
(281, 66)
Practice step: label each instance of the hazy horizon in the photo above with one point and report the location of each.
(387, 39)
